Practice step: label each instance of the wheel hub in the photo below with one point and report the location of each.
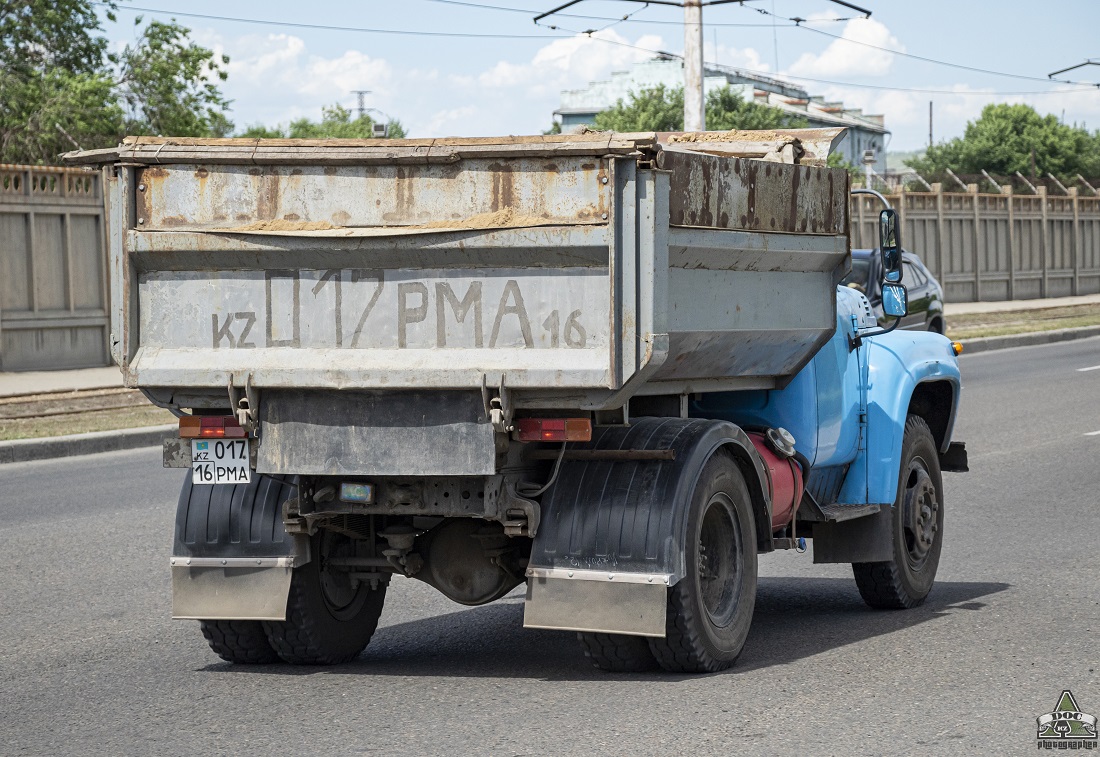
(719, 560)
(921, 515)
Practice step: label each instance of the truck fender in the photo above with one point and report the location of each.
(910, 373)
(232, 559)
(613, 533)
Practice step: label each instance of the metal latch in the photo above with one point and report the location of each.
(498, 409)
(246, 408)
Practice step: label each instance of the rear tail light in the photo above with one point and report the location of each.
(211, 427)
(554, 430)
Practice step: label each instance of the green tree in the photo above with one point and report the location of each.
(662, 109)
(169, 85)
(60, 88)
(726, 109)
(336, 123)
(1009, 138)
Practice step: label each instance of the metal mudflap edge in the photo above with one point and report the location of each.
(240, 590)
(597, 601)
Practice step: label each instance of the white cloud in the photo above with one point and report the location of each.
(745, 58)
(845, 57)
(275, 78)
(569, 63)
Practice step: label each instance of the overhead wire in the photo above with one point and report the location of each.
(920, 90)
(1081, 86)
(332, 27)
(658, 22)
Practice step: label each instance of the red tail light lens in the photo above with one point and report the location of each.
(554, 429)
(211, 427)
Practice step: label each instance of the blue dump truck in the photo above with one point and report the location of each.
(617, 368)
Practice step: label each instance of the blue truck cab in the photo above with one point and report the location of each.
(847, 408)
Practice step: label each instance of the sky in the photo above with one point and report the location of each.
(471, 70)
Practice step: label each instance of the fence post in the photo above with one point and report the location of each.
(1076, 241)
(1011, 200)
(976, 257)
(1044, 243)
(937, 187)
(902, 214)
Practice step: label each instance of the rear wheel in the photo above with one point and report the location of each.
(917, 528)
(330, 617)
(936, 326)
(240, 641)
(710, 609)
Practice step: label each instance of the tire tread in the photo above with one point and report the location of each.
(617, 653)
(243, 642)
(881, 584)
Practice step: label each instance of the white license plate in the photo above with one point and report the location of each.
(220, 461)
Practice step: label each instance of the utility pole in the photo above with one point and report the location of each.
(694, 114)
(694, 109)
(929, 123)
(362, 100)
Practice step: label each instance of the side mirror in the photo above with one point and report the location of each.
(889, 245)
(895, 300)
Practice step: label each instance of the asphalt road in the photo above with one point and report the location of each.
(91, 662)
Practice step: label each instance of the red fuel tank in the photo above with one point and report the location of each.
(785, 480)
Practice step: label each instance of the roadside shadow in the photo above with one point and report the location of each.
(795, 618)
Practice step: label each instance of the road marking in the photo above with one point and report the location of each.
(1093, 433)
(1090, 368)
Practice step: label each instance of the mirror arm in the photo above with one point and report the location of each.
(855, 342)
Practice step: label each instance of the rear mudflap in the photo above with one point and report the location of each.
(613, 531)
(232, 559)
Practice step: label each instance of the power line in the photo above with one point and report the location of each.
(1089, 88)
(656, 22)
(590, 35)
(899, 53)
(328, 27)
(796, 22)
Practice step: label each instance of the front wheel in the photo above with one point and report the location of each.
(917, 528)
(330, 617)
(710, 609)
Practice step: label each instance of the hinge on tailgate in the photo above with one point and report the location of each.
(246, 408)
(498, 409)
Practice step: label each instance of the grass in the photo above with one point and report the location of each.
(975, 325)
(77, 413)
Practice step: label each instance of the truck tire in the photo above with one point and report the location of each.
(917, 528)
(329, 618)
(618, 653)
(710, 608)
(243, 642)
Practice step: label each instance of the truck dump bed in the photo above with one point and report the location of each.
(575, 270)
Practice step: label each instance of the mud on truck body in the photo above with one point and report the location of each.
(614, 367)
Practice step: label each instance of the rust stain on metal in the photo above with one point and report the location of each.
(796, 178)
(503, 193)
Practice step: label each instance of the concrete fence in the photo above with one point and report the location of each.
(53, 266)
(995, 246)
(53, 269)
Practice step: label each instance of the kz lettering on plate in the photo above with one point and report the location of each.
(526, 309)
(220, 461)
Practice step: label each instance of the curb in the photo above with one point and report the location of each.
(987, 343)
(25, 450)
